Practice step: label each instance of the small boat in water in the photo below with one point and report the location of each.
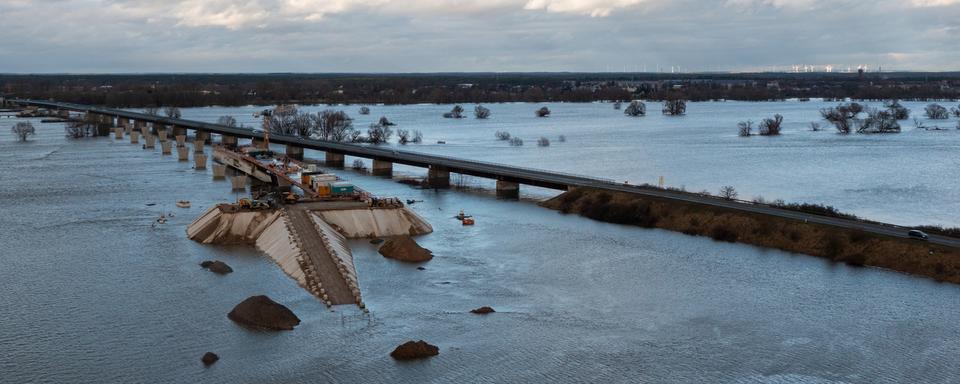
(183, 203)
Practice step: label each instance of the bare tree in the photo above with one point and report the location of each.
(728, 192)
(333, 125)
(403, 136)
(481, 112)
(616, 105)
(543, 142)
(503, 135)
(281, 120)
(229, 121)
(302, 124)
(955, 111)
(745, 128)
(353, 136)
(364, 110)
(771, 127)
(879, 121)
(378, 134)
(636, 108)
(358, 165)
(898, 111)
(172, 112)
(675, 107)
(936, 112)
(516, 141)
(543, 112)
(455, 113)
(417, 136)
(87, 125)
(152, 111)
(843, 116)
(23, 130)
(385, 122)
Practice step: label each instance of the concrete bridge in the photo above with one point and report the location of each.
(508, 177)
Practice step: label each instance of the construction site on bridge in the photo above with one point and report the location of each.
(301, 218)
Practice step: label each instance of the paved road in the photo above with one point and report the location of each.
(528, 176)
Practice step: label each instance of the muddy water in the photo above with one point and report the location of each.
(93, 293)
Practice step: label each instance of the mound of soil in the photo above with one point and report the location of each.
(483, 310)
(209, 358)
(261, 312)
(414, 350)
(403, 248)
(217, 267)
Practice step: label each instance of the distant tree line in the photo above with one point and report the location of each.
(141, 91)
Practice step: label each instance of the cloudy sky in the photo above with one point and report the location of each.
(108, 36)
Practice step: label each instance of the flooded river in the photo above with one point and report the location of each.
(93, 293)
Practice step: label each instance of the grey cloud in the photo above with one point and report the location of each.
(456, 35)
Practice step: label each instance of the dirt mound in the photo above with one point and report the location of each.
(403, 248)
(261, 312)
(483, 310)
(414, 350)
(209, 358)
(217, 267)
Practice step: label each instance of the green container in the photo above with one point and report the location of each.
(341, 189)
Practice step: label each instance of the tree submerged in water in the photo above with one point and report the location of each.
(636, 108)
(481, 112)
(543, 112)
(455, 113)
(675, 107)
(23, 130)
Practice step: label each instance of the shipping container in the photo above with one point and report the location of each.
(341, 188)
(323, 190)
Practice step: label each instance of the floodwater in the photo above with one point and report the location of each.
(93, 293)
(908, 178)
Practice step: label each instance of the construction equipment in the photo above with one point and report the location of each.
(246, 203)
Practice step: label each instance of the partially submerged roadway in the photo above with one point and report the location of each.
(508, 176)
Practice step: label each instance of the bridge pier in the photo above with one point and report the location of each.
(118, 133)
(198, 143)
(228, 141)
(162, 134)
(334, 159)
(177, 131)
(438, 177)
(122, 122)
(134, 137)
(183, 154)
(165, 147)
(202, 136)
(200, 161)
(238, 182)
(181, 141)
(64, 113)
(151, 141)
(382, 168)
(508, 189)
(294, 152)
(258, 143)
(219, 171)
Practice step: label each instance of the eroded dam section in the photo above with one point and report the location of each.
(308, 241)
